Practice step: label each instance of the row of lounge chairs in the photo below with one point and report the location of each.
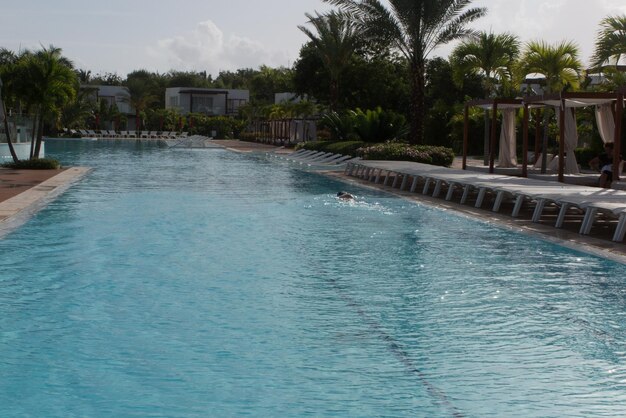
(88, 133)
(587, 203)
(318, 159)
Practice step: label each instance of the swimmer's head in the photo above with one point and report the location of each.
(344, 195)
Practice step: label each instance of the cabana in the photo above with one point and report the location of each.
(608, 110)
(507, 134)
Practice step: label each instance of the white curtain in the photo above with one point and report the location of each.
(606, 124)
(507, 157)
(571, 141)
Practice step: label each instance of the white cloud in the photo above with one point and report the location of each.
(207, 48)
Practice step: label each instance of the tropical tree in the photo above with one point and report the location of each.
(45, 81)
(140, 87)
(77, 111)
(492, 57)
(488, 55)
(414, 28)
(7, 61)
(335, 41)
(560, 66)
(611, 42)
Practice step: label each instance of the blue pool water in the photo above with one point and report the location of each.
(197, 283)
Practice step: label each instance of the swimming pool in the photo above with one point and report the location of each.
(208, 283)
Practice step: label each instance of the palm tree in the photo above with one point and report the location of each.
(46, 81)
(75, 112)
(335, 43)
(488, 55)
(491, 56)
(560, 66)
(611, 41)
(414, 28)
(7, 61)
(140, 97)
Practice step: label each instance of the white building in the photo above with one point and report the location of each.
(114, 95)
(208, 101)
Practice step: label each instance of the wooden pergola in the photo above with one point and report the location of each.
(560, 101)
(493, 105)
(566, 100)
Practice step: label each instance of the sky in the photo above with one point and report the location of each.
(214, 35)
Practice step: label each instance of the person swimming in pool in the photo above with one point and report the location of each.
(345, 196)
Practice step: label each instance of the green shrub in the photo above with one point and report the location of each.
(34, 164)
(397, 151)
(341, 127)
(225, 127)
(378, 125)
(584, 155)
(336, 147)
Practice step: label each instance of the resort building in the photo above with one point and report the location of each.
(214, 102)
(114, 97)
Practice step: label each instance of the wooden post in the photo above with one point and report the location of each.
(465, 135)
(492, 144)
(617, 140)
(525, 142)
(537, 132)
(561, 141)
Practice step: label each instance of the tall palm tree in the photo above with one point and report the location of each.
(491, 56)
(611, 41)
(7, 62)
(414, 28)
(335, 43)
(140, 97)
(560, 66)
(46, 81)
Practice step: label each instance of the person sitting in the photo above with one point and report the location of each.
(345, 196)
(604, 163)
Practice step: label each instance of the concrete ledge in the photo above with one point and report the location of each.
(16, 210)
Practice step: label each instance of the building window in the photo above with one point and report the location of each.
(173, 101)
(202, 104)
(234, 104)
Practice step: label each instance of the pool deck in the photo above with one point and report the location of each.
(24, 192)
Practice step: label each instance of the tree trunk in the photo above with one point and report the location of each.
(544, 147)
(8, 133)
(334, 94)
(33, 135)
(486, 138)
(39, 136)
(416, 106)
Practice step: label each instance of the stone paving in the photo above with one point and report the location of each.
(23, 192)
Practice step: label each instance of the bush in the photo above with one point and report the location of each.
(341, 147)
(396, 151)
(225, 127)
(34, 164)
(378, 125)
(375, 125)
(584, 155)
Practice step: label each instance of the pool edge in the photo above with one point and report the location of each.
(18, 209)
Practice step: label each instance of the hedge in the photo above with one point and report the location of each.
(336, 147)
(396, 151)
(34, 164)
